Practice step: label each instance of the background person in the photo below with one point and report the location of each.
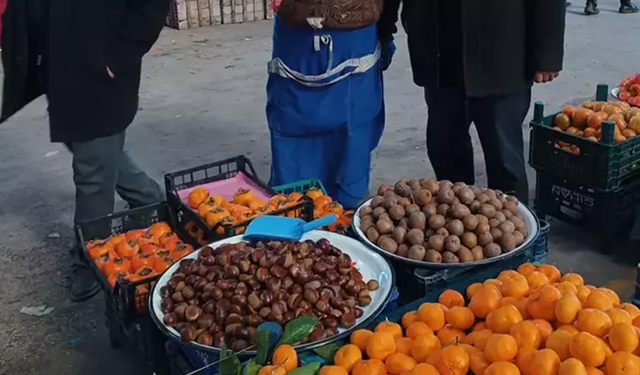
(626, 7)
(86, 57)
(476, 65)
(325, 106)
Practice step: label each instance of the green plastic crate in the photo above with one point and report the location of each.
(300, 187)
(600, 165)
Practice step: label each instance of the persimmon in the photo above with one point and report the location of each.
(141, 260)
(147, 238)
(243, 196)
(158, 229)
(161, 264)
(115, 277)
(207, 206)
(105, 258)
(295, 196)
(181, 250)
(322, 202)
(145, 272)
(117, 265)
(277, 201)
(214, 217)
(150, 248)
(135, 234)
(314, 193)
(197, 196)
(335, 208)
(256, 204)
(97, 248)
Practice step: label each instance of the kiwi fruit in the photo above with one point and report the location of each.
(429, 232)
(389, 193)
(495, 203)
(402, 189)
(478, 253)
(390, 202)
(470, 222)
(383, 189)
(404, 202)
(384, 226)
(398, 234)
(376, 202)
(443, 232)
(491, 194)
(396, 212)
(465, 255)
(494, 223)
(459, 211)
(496, 234)
(436, 242)
(482, 198)
(485, 238)
(507, 227)
(415, 237)
(482, 219)
(492, 250)
(417, 220)
(414, 184)
(373, 235)
(448, 257)
(466, 195)
(469, 240)
(422, 197)
(377, 212)
(366, 211)
(455, 201)
(384, 216)
(445, 196)
(403, 250)
(518, 222)
(411, 209)
(487, 210)
(387, 243)
(436, 222)
(499, 216)
(403, 223)
(482, 228)
(432, 186)
(433, 256)
(445, 184)
(429, 210)
(417, 252)
(443, 209)
(452, 243)
(455, 227)
(508, 242)
(365, 225)
(511, 206)
(507, 214)
(475, 207)
(519, 237)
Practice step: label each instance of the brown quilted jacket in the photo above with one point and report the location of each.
(335, 14)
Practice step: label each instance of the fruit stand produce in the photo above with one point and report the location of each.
(532, 321)
(591, 182)
(629, 90)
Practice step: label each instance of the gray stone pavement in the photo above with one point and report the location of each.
(203, 99)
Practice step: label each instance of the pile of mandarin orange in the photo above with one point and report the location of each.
(532, 321)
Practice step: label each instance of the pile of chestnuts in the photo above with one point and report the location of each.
(227, 292)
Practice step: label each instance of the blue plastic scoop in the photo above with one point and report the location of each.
(283, 228)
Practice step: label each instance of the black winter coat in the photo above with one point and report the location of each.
(65, 52)
(504, 42)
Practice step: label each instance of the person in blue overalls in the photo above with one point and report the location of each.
(325, 105)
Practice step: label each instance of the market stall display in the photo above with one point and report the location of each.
(218, 200)
(629, 90)
(530, 321)
(229, 288)
(426, 222)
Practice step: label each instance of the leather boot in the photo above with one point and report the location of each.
(591, 8)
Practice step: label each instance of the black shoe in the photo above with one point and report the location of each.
(567, 4)
(83, 283)
(628, 8)
(591, 8)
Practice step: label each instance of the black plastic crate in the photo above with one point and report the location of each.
(605, 212)
(601, 165)
(187, 218)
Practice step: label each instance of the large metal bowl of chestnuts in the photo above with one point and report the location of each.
(221, 293)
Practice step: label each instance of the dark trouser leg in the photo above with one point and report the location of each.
(591, 7)
(134, 185)
(498, 120)
(448, 141)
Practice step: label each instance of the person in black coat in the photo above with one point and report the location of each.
(86, 57)
(626, 7)
(477, 61)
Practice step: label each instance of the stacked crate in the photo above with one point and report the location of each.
(597, 188)
(188, 14)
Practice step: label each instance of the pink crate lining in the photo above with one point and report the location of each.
(228, 187)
